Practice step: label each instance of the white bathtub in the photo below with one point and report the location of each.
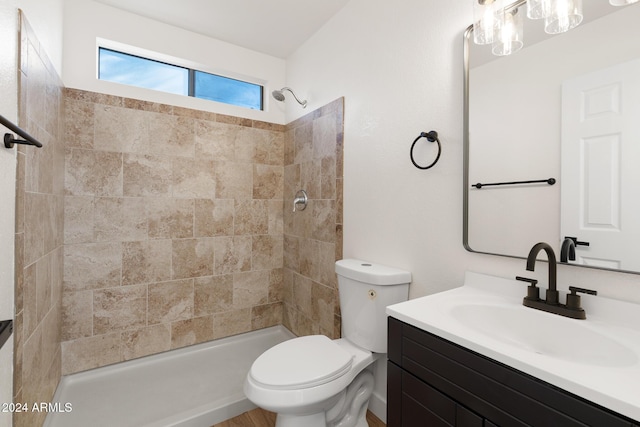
(196, 386)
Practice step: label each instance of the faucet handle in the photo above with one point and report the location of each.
(533, 293)
(573, 299)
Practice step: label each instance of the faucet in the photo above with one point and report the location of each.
(552, 292)
(551, 304)
(568, 250)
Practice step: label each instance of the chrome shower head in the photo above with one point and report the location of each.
(279, 96)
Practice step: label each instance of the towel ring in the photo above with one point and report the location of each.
(431, 137)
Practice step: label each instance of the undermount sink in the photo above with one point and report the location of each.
(543, 333)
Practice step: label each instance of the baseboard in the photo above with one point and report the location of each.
(378, 405)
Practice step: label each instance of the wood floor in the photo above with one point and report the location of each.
(261, 418)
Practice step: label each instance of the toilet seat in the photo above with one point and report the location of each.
(300, 363)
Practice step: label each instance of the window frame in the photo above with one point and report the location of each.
(191, 76)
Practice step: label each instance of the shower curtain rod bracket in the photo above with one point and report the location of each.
(10, 141)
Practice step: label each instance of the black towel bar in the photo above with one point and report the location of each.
(549, 181)
(6, 327)
(9, 140)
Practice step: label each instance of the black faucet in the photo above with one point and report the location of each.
(550, 304)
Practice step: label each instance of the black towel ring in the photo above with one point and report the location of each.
(431, 137)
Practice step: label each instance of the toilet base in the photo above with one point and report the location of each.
(349, 409)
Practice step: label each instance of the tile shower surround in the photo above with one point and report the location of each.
(38, 238)
(174, 232)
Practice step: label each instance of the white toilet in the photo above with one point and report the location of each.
(313, 381)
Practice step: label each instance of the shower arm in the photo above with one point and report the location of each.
(303, 103)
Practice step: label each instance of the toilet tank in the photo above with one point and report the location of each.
(366, 289)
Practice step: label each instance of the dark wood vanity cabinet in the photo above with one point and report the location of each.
(434, 382)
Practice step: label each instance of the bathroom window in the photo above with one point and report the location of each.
(137, 71)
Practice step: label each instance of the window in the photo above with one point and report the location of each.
(134, 70)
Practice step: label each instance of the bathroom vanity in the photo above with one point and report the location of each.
(453, 363)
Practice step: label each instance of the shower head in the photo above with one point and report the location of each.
(279, 96)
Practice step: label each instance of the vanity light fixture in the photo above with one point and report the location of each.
(499, 23)
(565, 15)
(485, 20)
(509, 31)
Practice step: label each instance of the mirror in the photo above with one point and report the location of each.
(525, 118)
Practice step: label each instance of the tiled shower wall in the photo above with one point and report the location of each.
(313, 237)
(39, 224)
(173, 228)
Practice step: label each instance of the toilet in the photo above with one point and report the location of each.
(313, 381)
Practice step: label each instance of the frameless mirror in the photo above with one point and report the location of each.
(565, 107)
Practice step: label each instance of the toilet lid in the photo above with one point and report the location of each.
(301, 363)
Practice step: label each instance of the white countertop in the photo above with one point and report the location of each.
(597, 359)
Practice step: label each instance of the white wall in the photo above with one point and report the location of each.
(9, 109)
(399, 67)
(86, 21)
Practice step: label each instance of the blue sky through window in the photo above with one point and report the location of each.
(142, 72)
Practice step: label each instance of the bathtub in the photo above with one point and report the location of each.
(196, 386)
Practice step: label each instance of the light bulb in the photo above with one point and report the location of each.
(509, 34)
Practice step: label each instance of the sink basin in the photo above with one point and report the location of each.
(545, 334)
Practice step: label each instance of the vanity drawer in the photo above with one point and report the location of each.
(496, 392)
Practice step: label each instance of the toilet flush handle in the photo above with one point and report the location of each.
(300, 199)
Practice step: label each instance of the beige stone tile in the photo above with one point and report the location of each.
(79, 214)
(145, 341)
(252, 217)
(120, 219)
(32, 362)
(276, 219)
(276, 285)
(322, 305)
(311, 178)
(309, 255)
(216, 140)
(289, 147)
(147, 175)
(124, 130)
(250, 288)
(43, 286)
(194, 178)
(303, 143)
(302, 297)
(172, 135)
(232, 254)
(36, 216)
(328, 179)
(324, 220)
(148, 261)
(213, 217)
(30, 306)
(192, 258)
(264, 316)
(92, 266)
(191, 331)
(88, 353)
(78, 122)
(268, 147)
(93, 173)
(213, 294)
(291, 258)
(268, 182)
(267, 252)
(77, 315)
(234, 180)
(231, 322)
(170, 218)
(170, 301)
(19, 272)
(324, 137)
(325, 272)
(119, 309)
